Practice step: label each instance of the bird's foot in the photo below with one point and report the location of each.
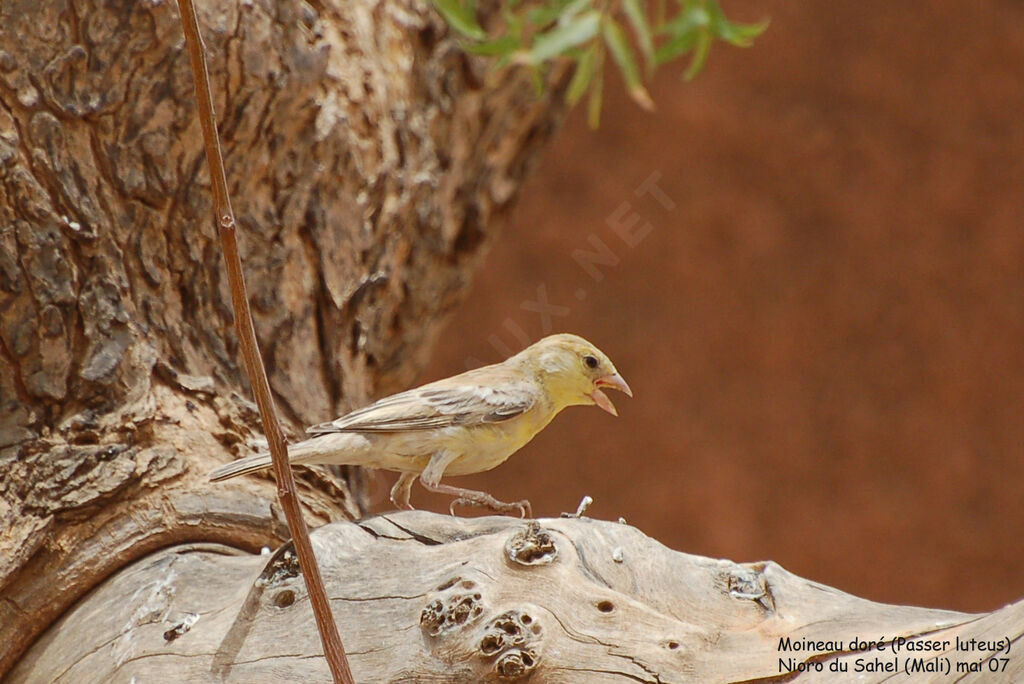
(523, 507)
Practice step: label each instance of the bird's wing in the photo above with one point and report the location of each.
(471, 398)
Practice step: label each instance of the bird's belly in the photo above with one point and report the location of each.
(488, 446)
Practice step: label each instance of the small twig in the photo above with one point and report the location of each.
(333, 649)
(581, 509)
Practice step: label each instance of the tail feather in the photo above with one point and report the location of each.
(242, 466)
(339, 448)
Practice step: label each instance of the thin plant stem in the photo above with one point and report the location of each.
(333, 649)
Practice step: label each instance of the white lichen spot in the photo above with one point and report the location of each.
(28, 96)
(328, 116)
(154, 608)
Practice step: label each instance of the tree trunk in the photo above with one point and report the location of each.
(370, 163)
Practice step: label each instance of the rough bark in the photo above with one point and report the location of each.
(370, 163)
(421, 597)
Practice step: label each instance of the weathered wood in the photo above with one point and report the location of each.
(423, 597)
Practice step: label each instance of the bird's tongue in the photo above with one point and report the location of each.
(602, 400)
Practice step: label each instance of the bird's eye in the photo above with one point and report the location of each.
(590, 361)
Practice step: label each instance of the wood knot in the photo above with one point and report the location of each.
(749, 584)
(284, 598)
(460, 603)
(515, 664)
(532, 545)
(283, 566)
(513, 640)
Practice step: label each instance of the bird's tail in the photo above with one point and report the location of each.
(339, 448)
(242, 466)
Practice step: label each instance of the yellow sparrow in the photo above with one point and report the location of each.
(464, 424)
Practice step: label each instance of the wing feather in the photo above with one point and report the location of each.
(488, 395)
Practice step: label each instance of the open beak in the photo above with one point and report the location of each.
(614, 381)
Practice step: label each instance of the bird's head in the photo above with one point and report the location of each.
(573, 371)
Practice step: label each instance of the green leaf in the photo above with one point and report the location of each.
(596, 88)
(700, 55)
(622, 53)
(682, 32)
(559, 11)
(638, 20)
(498, 47)
(580, 78)
(741, 35)
(699, 14)
(675, 47)
(565, 36)
(542, 16)
(575, 7)
(715, 13)
(512, 19)
(594, 101)
(461, 17)
(685, 22)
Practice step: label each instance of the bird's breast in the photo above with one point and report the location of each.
(488, 445)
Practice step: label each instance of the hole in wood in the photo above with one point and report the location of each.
(511, 632)
(606, 606)
(515, 664)
(491, 644)
(449, 584)
(453, 611)
(284, 598)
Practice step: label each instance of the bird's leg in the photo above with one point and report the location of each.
(400, 492)
(472, 497)
(430, 478)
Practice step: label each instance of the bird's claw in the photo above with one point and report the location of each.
(523, 507)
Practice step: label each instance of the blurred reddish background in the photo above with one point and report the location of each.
(824, 325)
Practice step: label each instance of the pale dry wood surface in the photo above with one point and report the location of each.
(426, 597)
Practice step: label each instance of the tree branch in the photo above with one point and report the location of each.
(334, 651)
(471, 600)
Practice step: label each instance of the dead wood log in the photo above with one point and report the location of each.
(421, 597)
